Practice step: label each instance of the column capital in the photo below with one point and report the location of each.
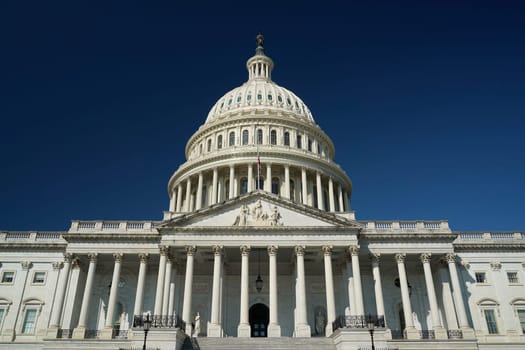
(75, 263)
(118, 257)
(400, 258)
(57, 265)
(245, 250)
(450, 257)
(143, 257)
(495, 265)
(190, 250)
(375, 257)
(68, 257)
(353, 250)
(164, 250)
(425, 257)
(26, 265)
(327, 249)
(217, 249)
(272, 250)
(299, 250)
(92, 257)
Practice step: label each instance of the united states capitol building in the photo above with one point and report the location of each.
(260, 248)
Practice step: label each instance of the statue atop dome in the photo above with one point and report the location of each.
(260, 40)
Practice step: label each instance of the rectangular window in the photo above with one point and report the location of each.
(39, 277)
(490, 318)
(513, 277)
(29, 322)
(521, 315)
(2, 313)
(481, 277)
(8, 277)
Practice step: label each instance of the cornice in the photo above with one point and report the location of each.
(393, 236)
(112, 237)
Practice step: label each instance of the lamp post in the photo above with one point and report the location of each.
(146, 325)
(371, 324)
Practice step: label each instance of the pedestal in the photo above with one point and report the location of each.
(412, 333)
(243, 331)
(440, 333)
(468, 333)
(274, 330)
(302, 331)
(79, 333)
(52, 333)
(214, 330)
(106, 333)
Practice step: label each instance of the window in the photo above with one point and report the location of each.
(244, 185)
(232, 139)
(273, 137)
(270, 97)
(239, 98)
(299, 141)
(29, 321)
(200, 148)
(245, 136)
(259, 96)
(309, 145)
(490, 318)
(275, 185)
(292, 190)
(521, 316)
(481, 277)
(219, 142)
(209, 145)
(8, 277)
(287, 138)
(39, 277)
(227, 189)
(259, 136)
(2, 313)
(512, 277)
(315, 199)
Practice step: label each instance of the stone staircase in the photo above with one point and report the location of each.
(283, 343)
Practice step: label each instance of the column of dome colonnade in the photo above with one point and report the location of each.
(297, 183)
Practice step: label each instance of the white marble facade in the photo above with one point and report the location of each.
(260, 195)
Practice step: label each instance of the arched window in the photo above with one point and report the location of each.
(200, 148)
(519, 308)
(219, 142)
(232, 138)
(292, 190)
(299, 141)
(275, 185)
(259, 136)
(273, 137)
(209, 146)
(244, 185)
(204, 196)
(245, 136)
(287, 138)
(489, 308)
(31, 310)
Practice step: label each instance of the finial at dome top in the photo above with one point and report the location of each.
(259, 66)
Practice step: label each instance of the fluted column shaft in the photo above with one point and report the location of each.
(188, 284)
(114, 290)
(88, 289)
(331, 194)
(215, 296)
(320, 199)
(302, 329)
(287, 181)
(405, 295)
(244, 323)
(167, 282)
(304, 186)
(188, 195)
(179, 198)
(214, 186)
(198, 200)
(250, 178)
(358, 289)
(274, 328)
(139, 296)
(61, 291)
(160, 281)
(329, 284)
(268, 182)
(458, 297)
(172, 201)
(378, 288)
(340, 197)
(432, 299)
(232, 182)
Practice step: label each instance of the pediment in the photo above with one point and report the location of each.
(260, 209)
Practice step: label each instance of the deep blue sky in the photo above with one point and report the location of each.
(425, 102)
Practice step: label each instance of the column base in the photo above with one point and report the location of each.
(328, 330)
(303, 331)
(468, 333)
(274, 330)
(214, 330)
(52, 332)
(106, 333)
(79, 333)
(440, 333)
(412, 333)
(244, 331)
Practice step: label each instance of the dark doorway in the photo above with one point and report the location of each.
(259, 318)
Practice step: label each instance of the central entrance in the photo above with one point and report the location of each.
(259, 318)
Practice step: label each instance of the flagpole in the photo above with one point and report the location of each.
(258, 160)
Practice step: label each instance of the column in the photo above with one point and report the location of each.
(243, 330)
(188, 195)
(358, 289)
(331, 194)
(411, 331)
(468, 333)
(345, 201)
(340, 197)
(188, 284)
(172, 201)
(302, 329)
(439, 331)
(179, 198)
(320, 199)
(329, 284)
(167, 282)
(157, 310)
(214, 328)
(198, 200)
(80, 331)
(139, 296)
(214, 186)
(250, 178)
(350, 286)
(61, 292)
(232, 182)
(287, 181)
(378, 288)
(171, 300)
(304, 186)
(448, 301)
(268, 182)
(107, 332)
(274, 329)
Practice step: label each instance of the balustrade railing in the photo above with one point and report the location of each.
(427, 334)
(398, 334)
(119, 334)
(64, 333)
(159, 321)
(455, 334)
(358, 321)
(92, 334)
